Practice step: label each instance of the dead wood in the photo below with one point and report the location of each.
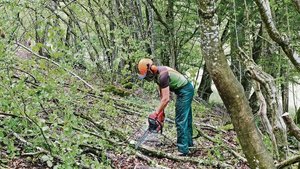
(293, 128)
(42, 150)
(148, 151)
(288, 162)
(55, 63)
(234, 153)
(149, 161)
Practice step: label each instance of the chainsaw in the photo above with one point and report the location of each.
(156, 123)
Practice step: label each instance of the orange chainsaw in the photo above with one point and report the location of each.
(156, 123)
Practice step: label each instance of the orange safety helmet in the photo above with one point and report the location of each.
(145, 65)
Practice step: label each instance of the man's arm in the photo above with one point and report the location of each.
(164, 100)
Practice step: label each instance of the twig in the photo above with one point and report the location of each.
(32, 154)
(55, 63)
(237, 155)
(210, 126)
(288, 162)
(100, 127)
(61, 125)
(159, 154)
(34, 122)
(149, 161)
(58, 158)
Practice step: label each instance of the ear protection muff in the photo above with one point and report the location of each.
(153, 68)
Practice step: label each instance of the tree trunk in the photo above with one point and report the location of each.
(297, 118)
(204, 91)
(262, 112)
(150, 28)
(297, 5)
(171, 35)
(274, 104)
(285, 91)
(231, 91)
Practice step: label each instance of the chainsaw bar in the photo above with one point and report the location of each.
(142, 139)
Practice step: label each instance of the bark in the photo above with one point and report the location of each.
(285, 91)
(171, 35)
(204, 91)
(297, 118)
(291, 53)
(274, 103)
(297, 5)
(262, 112)
(241, 36)
(231, 91)
(257, 45)
(150, 28)
(293, 128)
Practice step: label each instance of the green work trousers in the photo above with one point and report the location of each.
(184, 117)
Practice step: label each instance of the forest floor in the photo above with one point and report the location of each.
(215, 142)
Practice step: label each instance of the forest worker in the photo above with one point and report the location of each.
(168, 80)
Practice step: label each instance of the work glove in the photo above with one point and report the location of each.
(156, 121)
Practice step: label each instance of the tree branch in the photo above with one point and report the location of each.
(293, 128)
(159, 154)
(57, 64)
(297, 5)
(41, 150)
(288, 162)
(159, 18)
(265, 12)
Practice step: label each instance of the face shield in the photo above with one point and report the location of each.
(150, 76)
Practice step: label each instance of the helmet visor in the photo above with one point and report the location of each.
(142, 76)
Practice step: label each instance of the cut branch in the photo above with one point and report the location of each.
(41, 150)
(57, 64)
(159, 154)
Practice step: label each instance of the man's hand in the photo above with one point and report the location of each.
(156, 121)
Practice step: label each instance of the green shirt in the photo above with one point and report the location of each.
(170, 77)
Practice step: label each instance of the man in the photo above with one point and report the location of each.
(168, 80)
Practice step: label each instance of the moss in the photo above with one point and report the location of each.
(227, 127)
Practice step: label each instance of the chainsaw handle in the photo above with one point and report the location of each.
(156, 121)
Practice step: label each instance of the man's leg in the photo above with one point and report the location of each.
(184, 118)
(181, 121)
(190, 128)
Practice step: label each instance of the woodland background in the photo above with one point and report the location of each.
(70, 97)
